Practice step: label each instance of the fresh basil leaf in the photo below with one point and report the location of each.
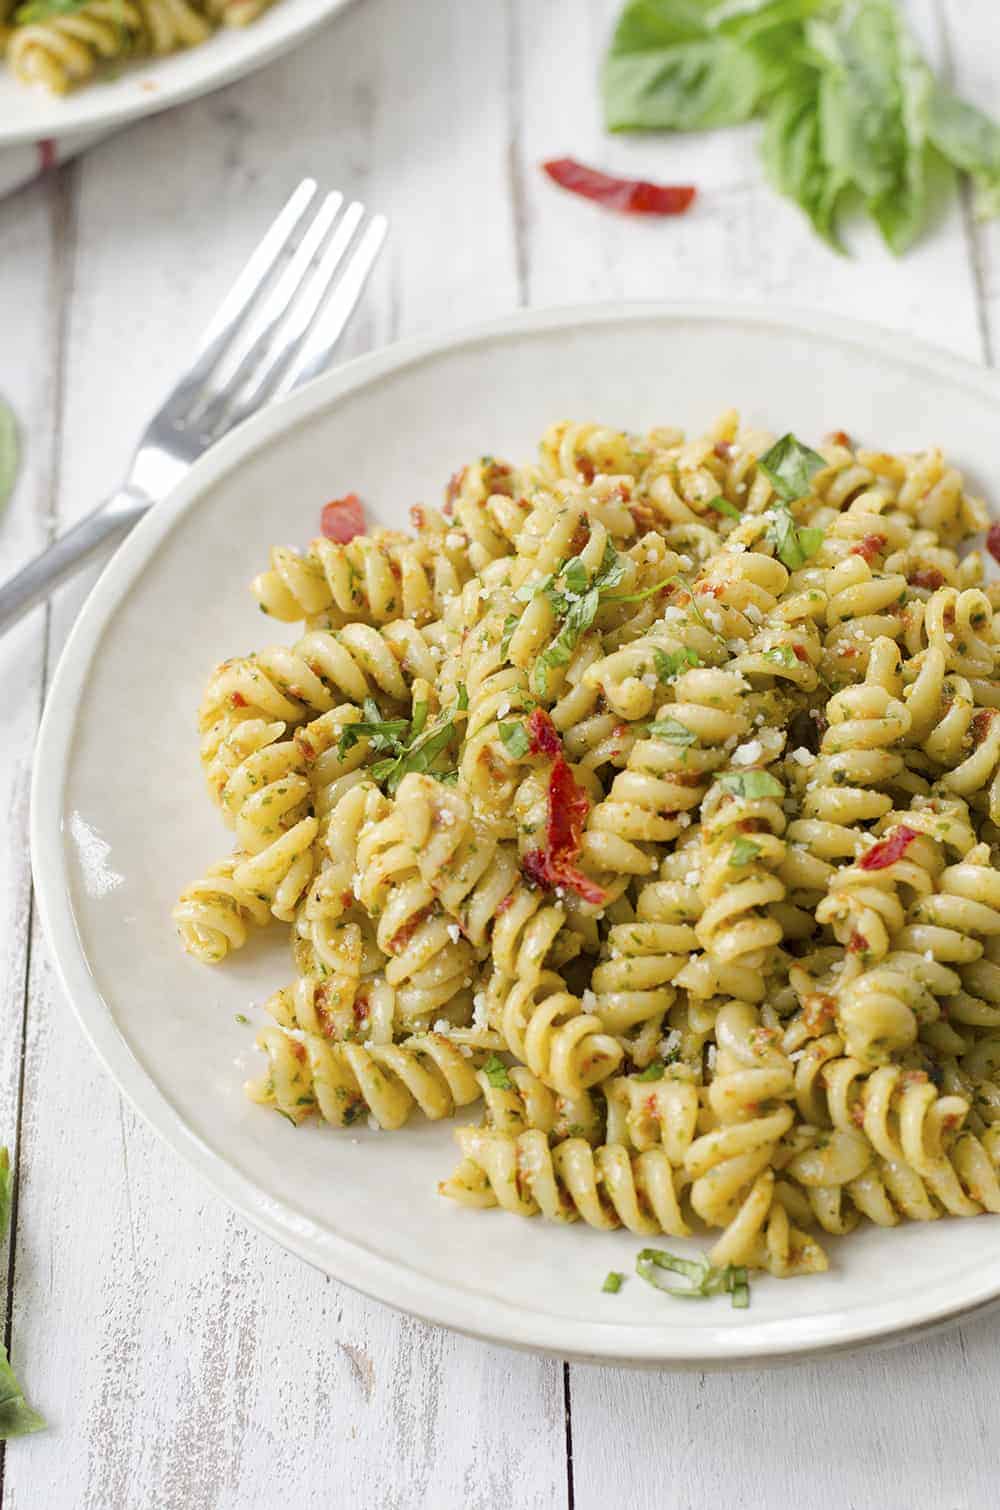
(530, 590)
(384, 733)
(17, 1418)
(674, 731)
(579, 617)
(575, 576)
(516, 740)
(496, 1073)
(611, 570)
(10, 456)
(790, 467)
(461, 698)
(901, 213)
(671, 663)
(723, 506)
(782, 655)
(970, 141)
(687, 86)
(510, 623)
(874, 93)
(743, 852)
(446, 778)
(792, 150)
(751, 784)
(421, 755)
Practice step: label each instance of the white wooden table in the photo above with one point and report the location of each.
(184, 1362)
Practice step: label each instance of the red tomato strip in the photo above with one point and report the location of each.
(543, 734)
(342, 519)
(887, 851)
(993, 541)
(634, 196)
(568, 808)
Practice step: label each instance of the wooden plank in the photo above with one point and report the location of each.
(184, 1361)
(33, 255)
(891, 1430)
(970, 37)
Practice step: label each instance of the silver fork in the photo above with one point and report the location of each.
(275, 330)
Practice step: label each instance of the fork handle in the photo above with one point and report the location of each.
(112, 520)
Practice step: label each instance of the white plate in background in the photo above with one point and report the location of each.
(32, 114)
(121, 821)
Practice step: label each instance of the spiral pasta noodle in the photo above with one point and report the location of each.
(647, 794)
(60, 47)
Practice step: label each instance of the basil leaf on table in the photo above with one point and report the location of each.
(792, 149)
(10, 452)
(970, 141)
(873, 96)
(17, 1418)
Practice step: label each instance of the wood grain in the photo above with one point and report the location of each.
(184, 1362)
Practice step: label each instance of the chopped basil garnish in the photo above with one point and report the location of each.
(410, 744)
(782, 655)
(496, 1073)
(673, 662)
(654, 1071)
(384, 733)
(510, 623)
(793, 544)
(673, 730)
(723, 506)
(703, 1279)
(242, 1017)
(17, 1418)
(790, 467)
(613, 1282)
(743, 852)
(751, 784)
(575, 598)
(516, 740)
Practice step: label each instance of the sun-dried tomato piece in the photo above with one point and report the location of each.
(634, 196)
(888, 850)
(343, 518)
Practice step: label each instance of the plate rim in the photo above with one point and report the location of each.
(488, 1319)
(209, 76)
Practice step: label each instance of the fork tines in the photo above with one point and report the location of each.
(286, 311)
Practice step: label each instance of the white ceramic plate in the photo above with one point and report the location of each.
(120, 820)
(31, 115)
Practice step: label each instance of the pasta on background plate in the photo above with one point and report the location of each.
(646, 796)
(60, 44)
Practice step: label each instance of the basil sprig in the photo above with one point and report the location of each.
(17, 1418)
(575, 597)
(852, 111)
(410, 744)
